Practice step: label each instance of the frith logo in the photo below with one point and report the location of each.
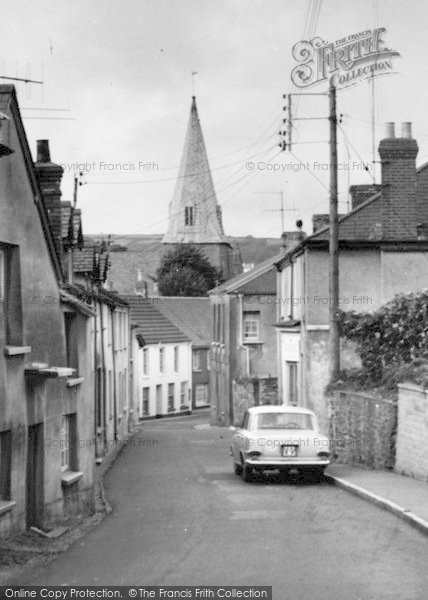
(343, 62)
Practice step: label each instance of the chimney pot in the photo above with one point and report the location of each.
(406, 130)
(43, 154)
(390, 130)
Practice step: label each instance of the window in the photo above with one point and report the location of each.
(201, 394)
(2, 274)
(251, 326)
(68, 442)
(5, 464)
(189, 215)
(176, 359)
(125, 390)
(284, 420)
(146, 397)
(171, 387)
(292, 382)
(162, 360)
(110, 395)
(69, 320)
(244, 424)
(183, 394)
(196, 356)
(10, 296)
(145, 362)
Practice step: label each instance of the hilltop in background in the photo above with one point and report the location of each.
(133, 253)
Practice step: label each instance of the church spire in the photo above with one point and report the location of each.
(194, 215)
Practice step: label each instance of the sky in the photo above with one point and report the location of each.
(119, 76)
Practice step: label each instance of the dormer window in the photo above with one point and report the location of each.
(189, 215)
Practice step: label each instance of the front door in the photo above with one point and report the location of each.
(159, 400)
(35, 484)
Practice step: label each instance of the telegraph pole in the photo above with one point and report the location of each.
(334, 341)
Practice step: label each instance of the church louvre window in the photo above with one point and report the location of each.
(189, 215)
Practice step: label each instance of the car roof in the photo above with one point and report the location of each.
(269, 408)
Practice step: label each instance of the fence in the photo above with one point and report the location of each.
(363, 429)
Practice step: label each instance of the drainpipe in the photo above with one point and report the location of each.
(240, 336)
(103, 371)
(113, 343)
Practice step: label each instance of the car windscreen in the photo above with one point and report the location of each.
(284, 420)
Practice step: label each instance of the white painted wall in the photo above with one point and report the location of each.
(153, 377)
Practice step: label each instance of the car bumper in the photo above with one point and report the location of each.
(281, 463)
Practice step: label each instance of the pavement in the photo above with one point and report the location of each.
(404, 496)
(180, 516)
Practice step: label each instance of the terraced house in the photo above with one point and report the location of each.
(383, 246)
(54, 337)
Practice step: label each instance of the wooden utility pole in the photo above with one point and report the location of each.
(334, 341)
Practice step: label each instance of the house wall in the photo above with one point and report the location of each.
(360, 284)
(154, 378)
(221, 361)
(412, 431)
(403, 272)
(368, 279)
(262, 351)
(24, 400)
(202, 376)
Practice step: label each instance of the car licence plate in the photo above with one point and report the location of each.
(289, 451)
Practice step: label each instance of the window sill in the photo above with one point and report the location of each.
(74, 381)
(70, 477)
(171, 409)
(16, 350)
(6, 506)
(252, 342)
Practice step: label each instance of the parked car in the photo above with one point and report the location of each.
(280, 439)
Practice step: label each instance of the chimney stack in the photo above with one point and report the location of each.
(390, 130)
(398, 158)
(406, 130)
(49, 176)
(362, 192)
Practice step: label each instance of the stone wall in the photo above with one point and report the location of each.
(363, 429)
(252, 392)
(412, 432)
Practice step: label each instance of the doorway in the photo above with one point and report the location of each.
(158, 400)
(35, 476)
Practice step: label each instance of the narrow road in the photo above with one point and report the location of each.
(182, 517)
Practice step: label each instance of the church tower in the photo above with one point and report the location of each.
(194, 215)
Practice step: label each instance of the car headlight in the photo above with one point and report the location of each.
(253, 454)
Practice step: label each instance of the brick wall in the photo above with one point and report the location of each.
(398, 157)
(412, 432)
(362, 429)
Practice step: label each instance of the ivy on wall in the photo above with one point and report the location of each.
(393, 341)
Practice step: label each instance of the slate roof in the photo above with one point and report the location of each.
(361, 223)
(191, 315)
(84, 259)
(154, 327)
(65, 219)
(254, 281)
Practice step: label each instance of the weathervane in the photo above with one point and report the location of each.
(194, 73)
